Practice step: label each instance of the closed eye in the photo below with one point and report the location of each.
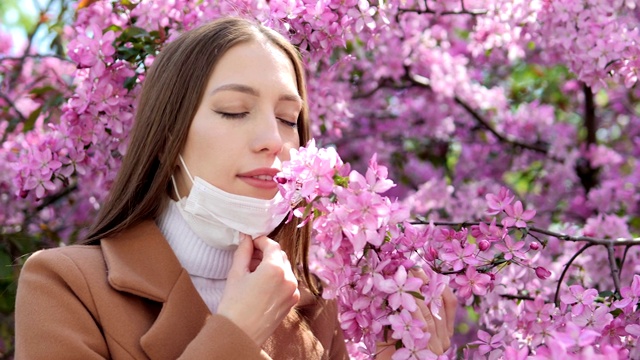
(291, 124)
(226, 115)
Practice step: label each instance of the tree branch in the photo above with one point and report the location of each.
(615, 273)
(556, 298)
(517, 297)
(55, 197)
(587, 239)
(424, 82)
(586, 173)
(13, 106)
(589, 114)
(484, 123)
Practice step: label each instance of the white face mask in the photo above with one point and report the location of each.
(219, 218)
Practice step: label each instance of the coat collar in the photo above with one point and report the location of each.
(140, 262)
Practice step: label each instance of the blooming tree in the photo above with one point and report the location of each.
(511, 129)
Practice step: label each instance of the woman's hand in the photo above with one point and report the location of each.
(261, 288)
(441, 330)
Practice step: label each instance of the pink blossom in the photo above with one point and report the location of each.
(488, 342)
(578, 297)
(574, 335)
(497, 203)
(538, 310)
(516, 216)
(515, 353)
(630, 294)
(415, 349)
(472, 282)
(595, 319)
(399, 288)
(511, 249)
(405, 326)
(459, 256)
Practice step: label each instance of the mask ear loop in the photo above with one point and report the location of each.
(173, 180)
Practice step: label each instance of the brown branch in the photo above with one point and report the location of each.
(615, 273)
(484, 123)
(517, 297)
(588, 239)
(13, 106)
(556, 298)
(589, 114)
(55, 197)
(624, 257)
(424, 82)
(586, 173)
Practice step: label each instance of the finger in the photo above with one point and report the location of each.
(443, 330)
(270, 249)
(242, 257)
(256, 259)
(431, 327)
(419, 273)
(450, 307)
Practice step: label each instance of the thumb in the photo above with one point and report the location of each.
(242, 256)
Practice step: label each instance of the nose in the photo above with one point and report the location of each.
(267, 136)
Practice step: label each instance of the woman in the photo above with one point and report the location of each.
(168, 270)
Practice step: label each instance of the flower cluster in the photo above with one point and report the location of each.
(364, 249)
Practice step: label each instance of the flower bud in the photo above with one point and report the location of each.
(483, 244)
(534, 246)
(542, 273)
(430, 254)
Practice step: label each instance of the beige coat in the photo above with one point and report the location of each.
(129, 298)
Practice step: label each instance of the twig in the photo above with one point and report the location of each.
(495, 133)
(482, 121)
(55, 197)
(517, 297)
(594, 241)
(564, 271)
(624, 257)
(13, 106)
(615, 273)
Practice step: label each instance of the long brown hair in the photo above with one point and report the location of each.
(171, 94)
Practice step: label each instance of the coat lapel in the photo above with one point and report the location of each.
(141, 262)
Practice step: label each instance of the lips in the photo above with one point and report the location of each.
(261, 178)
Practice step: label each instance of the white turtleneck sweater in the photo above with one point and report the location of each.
(207, 266)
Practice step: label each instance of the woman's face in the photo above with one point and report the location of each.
(246, 122)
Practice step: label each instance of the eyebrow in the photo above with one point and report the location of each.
(253, 92)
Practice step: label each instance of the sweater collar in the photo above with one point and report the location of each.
(196, 256)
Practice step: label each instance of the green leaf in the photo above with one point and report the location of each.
(416, 294)
(41, 90)
(31, 120)
(6, 266)
(114, 28)
(133, 32)
(130, 82)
